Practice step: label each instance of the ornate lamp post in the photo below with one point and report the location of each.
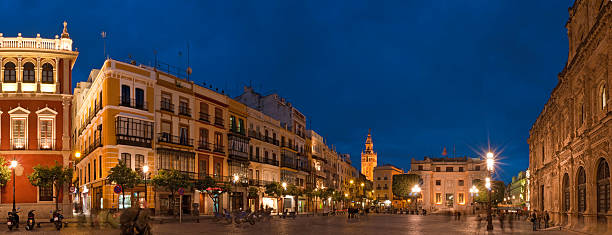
(416, 190)
(473, 190)
(13, 166)
(145, 170)
(490, 167)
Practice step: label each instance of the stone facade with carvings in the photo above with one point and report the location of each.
(569, 143)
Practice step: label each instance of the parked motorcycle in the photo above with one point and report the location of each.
(57, 219)
(31, 221)
(12, 219)
(223, 216)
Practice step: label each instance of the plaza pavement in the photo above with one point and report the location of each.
(377, 224)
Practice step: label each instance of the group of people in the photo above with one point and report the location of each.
(538, 218)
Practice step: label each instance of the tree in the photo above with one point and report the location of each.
(213, 188)
(171, 180)
(497, 192)
(253, 192)
(276, 190)
(54, 176)
(403, 183)
(5, 172)
(125, 177)
(296, 193)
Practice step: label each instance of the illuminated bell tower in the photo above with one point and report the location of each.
(368, 158)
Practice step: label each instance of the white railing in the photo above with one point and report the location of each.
(36, 43)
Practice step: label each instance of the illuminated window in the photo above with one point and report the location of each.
(604, 97)
(438, 198)
(127, 159)
(28, 72)
(46, 133)
(9, 72)
(460, 199)
(47, 73)
(18, 128)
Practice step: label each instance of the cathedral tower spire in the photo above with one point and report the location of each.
(369, 158)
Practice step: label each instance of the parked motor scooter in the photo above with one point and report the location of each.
(30, 222)
(57, 219)
(12, 219)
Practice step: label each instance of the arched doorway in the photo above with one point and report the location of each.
(581, 190)
(603, 187)
(566, 193)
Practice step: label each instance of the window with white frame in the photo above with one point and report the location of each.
(18, 129)
(46, 133)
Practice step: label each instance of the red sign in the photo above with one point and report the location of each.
(181, 191)
(117, 189)
(72, 189)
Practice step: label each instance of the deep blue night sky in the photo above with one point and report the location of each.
(421, 74)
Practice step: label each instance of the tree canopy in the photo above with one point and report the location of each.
(124, 176)
(403, 183)
(46, 176)
(5, 172)
(497, 192)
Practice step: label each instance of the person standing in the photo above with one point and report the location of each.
(534, 220)
(546, 219)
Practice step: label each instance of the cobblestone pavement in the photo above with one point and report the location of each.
(319, 225)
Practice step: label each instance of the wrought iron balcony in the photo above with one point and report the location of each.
(172, 139)
(184, 110)
(166, 105)
(203, 145)
(218, 148)
(134, 140)
(219, 121)
(132, 103)
(204, 117)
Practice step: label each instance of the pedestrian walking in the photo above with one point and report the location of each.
(534, 220)
(546, 219)
(510, 222)
(459, 215)
(501, 220)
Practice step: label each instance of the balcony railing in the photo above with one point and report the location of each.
(184, 110)
(172, 139)
(133, 103)
(238, 155)
(270, 161)
(18, 143)
(90, 117)
(45, 143)
(203, 145)
(204, 117)
(218, 148)
(219, 121)
(92, 146)
(166, 105)
(134, 140)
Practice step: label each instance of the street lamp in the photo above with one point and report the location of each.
(415, 191)
(13, 166)
(490, 167)
(145, 170)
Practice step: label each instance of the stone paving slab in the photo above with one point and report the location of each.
(377, 224)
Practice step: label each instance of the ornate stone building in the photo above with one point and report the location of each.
(35, 82)
(368, 158)
(569, 143)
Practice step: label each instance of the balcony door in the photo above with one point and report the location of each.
(139, 97)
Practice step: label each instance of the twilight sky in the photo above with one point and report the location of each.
(421, 74)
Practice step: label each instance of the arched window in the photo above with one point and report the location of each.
(9, 72)
(47, 73)
(603, 94)
(603, 187)
(581, 190)
(566, 193)
(28, 72)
